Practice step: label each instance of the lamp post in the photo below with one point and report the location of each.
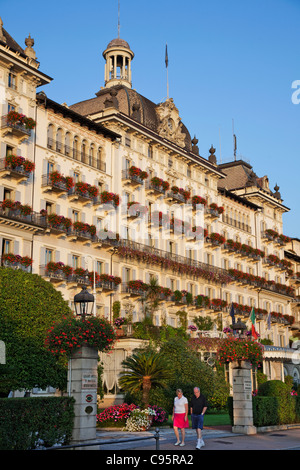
(84, 302)
(239, 328)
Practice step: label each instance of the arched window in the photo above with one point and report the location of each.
(91, 155)
(83, 152)
(76, 148)
(50, 136)
(68, 143)
(59, 140)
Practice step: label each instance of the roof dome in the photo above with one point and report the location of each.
(119, 43)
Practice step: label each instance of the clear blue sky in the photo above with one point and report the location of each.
(228, 60)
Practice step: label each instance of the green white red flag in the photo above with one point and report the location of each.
(252, 318)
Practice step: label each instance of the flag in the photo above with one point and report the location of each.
(252, 318)
(166, 56)
(232, 313)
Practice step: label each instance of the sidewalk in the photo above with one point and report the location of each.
(215, 438)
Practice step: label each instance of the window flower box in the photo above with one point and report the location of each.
(135, 209)
(109, 198)
(19, 165)
(198, 200)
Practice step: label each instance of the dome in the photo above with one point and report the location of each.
(118, 42)
(132, 104)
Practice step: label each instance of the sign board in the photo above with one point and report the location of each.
(247, 386)
(89, 381)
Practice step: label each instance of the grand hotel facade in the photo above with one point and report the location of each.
(112, 192)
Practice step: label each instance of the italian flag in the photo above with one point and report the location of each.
(252, 318)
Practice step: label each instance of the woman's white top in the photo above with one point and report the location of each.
(179, 404)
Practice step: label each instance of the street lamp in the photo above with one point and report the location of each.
(84, 302)
(239, 328)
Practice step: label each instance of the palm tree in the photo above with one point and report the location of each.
(144, 370)
(151, 299)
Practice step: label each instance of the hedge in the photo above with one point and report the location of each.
(267, 411)
(27, 422)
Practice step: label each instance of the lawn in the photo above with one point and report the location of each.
(221, 419)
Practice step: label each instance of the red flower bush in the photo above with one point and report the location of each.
(70, 334)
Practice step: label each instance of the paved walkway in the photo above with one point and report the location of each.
(215, 438)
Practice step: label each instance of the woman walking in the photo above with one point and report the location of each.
(180, 417)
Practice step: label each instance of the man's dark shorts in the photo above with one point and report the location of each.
(197, 421)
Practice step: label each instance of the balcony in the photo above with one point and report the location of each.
(166, 260)
(82, 232)
(58, 224)
(82, 157)
(16, 125)
(134, 176)
(213, 211)
(83, 193)
(108, 200)
(156, 187)
(21, 216)
(177, 196)
(16, 167)
(57, 183)
(134, 289)
(10, 260)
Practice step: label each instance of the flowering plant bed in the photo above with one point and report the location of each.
(116, 415)
(232, 349)
(140, 420)
(70, 334)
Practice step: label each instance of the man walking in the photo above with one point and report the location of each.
(198, 408)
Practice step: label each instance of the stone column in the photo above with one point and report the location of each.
(82, 385)
(242, 399)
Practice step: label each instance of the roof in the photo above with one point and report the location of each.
(130, 103)
(65, 111)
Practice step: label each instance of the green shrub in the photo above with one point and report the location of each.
(265, 411)
(24, 421)
(285, 403)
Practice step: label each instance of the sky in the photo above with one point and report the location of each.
(234, 67)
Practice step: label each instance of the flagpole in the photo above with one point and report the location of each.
(167, 64)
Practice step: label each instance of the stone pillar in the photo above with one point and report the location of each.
(242, 399)
(82, 385)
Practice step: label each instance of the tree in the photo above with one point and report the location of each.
(151, 299)
(145, 370)
(29, 306)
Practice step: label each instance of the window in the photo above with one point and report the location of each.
(48, 255)
(7, 194)
(12, 81)
(127, 141)
(6, 246)
(75, 261)
(9, 150)
(75, 216)
(99, 267)
(49, 207)
(91, 155)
